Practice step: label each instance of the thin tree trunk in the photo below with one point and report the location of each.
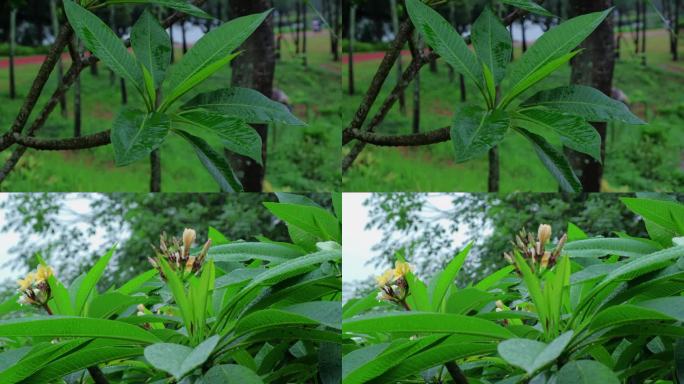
(334, 7)
(510, 31)
(305, 11)
(298, 20)
(416, 91)
(155, 171)
(461, 80)
(400, 70)
(255, 69)
(60, 67)
(13, 43)
(493, 176)
(77, 96)
(643, 32)
(524, 40)
(173, 53)
(618, 40)
(279, 36)
(594, 68)
(124, 94)
(675, 31)
(352, 33)
(637, 27)
(183, 38)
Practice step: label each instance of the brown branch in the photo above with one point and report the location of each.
(83, 142)
(408, 76)
(412, 140)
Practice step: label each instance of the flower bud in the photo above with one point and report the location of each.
(544, 233)
(188, 238)
(545, 260)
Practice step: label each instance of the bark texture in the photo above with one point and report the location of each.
(255, 69)
(594, 68)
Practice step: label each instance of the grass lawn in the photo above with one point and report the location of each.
(299, 158)
(638, 157)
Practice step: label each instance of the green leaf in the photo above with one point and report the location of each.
(418, 300)
(599, 247)
(152, 46)
(672, 306)
(61, 299)
(178, 359)
(475, 131)
(554, 161)
(68, 326)
(529, 6)
(39, 356)
(215, 163)
(179, 5)
(533, 355)
(231, 374)
(492, 42)
(444, 40)
(243, 103)
(236, 135)
(328, 313)
(109, 303)
(177, 289)
(447, 277)
(679, 359)
(244, 251)
(330, 363)
(554, 44)
(574, 132)
(213, 47)
(314, 220)
(271, 318)
(660, 212)
(88, 285)
(586, 372)
(587, 102)
(103, 43)
(133, 284)
(538, 75)
(417, 322)
(135, 134)
(625, 314)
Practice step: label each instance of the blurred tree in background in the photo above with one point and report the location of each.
(134, 221)
(410, 222)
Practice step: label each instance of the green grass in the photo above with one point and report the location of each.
(638, 157)
(299, 158)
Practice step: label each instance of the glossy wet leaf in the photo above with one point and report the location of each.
(152, 46)
(135, 134)
(492, 43)
(529, 6)
(216, 164)
(586, 372)
(553, 44)
(236, 135)
(444, 40)
(574, 132)
(245, 104)
(103, 43)
(475, 131)
(213, 47)
(178, 5)
(587, 102)
(554, 161)
(177, 359)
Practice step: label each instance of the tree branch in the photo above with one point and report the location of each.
(348, 134)
(83, 142)
(412, 140)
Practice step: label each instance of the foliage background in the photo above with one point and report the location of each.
(135, 221)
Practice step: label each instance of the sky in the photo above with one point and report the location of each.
(74, 206)
(357, 241)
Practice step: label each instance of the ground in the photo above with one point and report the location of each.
(638, 157)
(299, 158)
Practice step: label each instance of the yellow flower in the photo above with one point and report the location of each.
(27, 281)
(401, 268)
(385, 278)
(544, 233)
(43, 273)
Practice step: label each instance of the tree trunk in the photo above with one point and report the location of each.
(493, 176)
(255, 69)
(675, 31)
(594, 68)
(183, 38)
(400, 70)
(522, 29)
(637, 27)
(461, 80)
(155, 171)
(352, 33)
(305, 11)
(77, 96)
(618, 40)
(124, 94)
(60, 67)
(416, 91)
(298, 20)
(510, 31)
(13, 43)
(643, 32)
(279, 36)
(173, 53)
(334, 29)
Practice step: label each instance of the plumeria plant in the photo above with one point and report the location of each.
(224, 312)
(575, 310)
(224, 113)
(559, 115)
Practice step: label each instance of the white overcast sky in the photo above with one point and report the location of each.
(74, 206)
(358, 241)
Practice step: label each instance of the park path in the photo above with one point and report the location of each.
(25, 60)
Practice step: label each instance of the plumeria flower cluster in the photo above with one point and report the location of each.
(34, 288)
(176, 252)
(534, 251)
(393, 285)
